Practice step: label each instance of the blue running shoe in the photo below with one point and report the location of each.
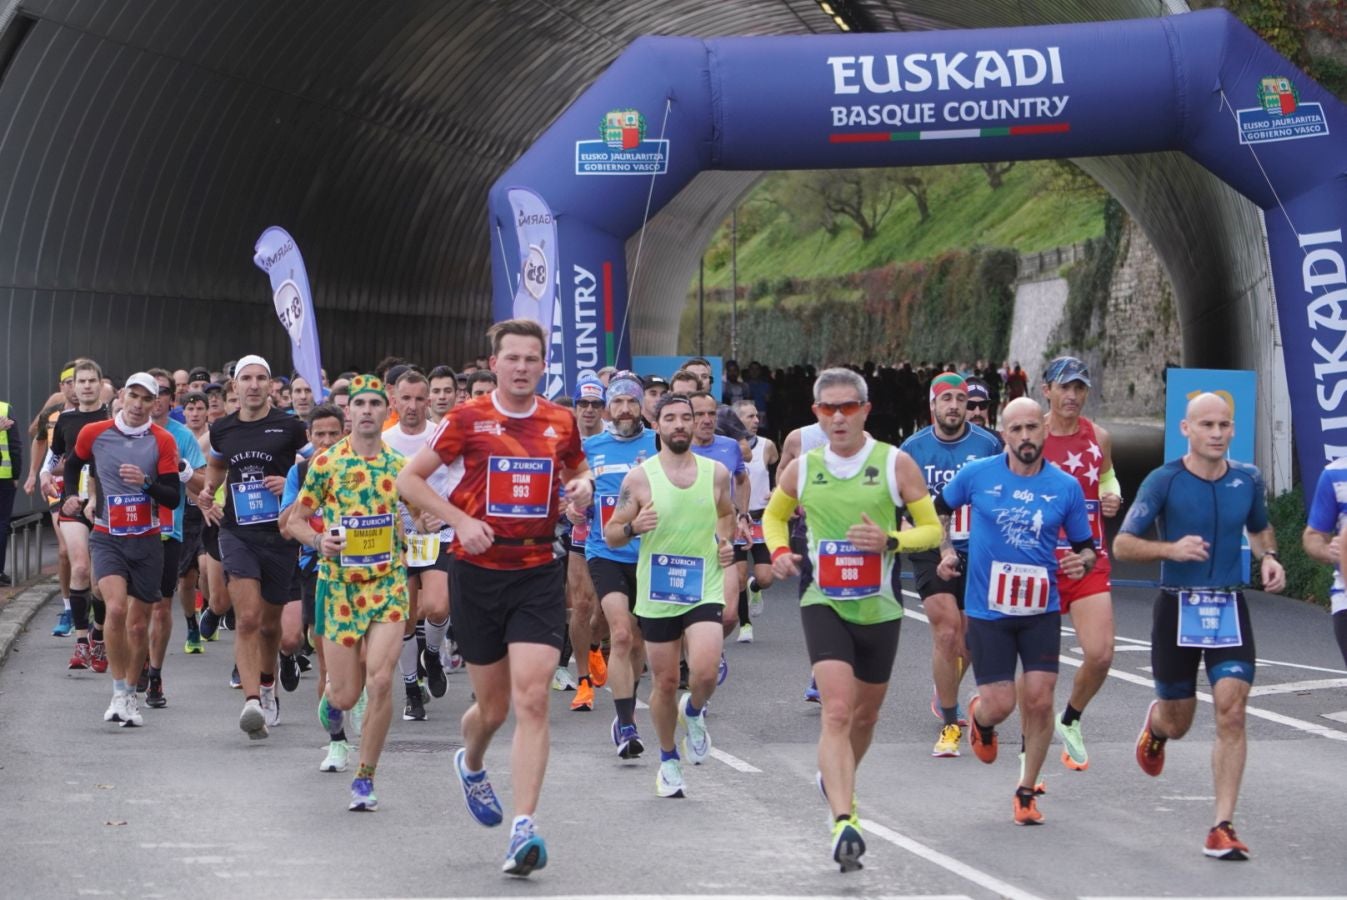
(527, 851)
(811, 692)
(362, 796)
(723, 670)
(208, 625)
(64, 624)
(329, 716)
(626, 740)
(480, 798)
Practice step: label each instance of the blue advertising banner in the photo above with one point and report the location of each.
(277, 254)
(1201, 83)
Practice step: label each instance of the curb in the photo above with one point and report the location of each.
(14, 618)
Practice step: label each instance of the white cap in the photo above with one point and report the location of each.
(252, 359)
(146, 381)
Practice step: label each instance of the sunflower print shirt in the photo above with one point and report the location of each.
(361, 495)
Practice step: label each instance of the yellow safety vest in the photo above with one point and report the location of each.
(6, 468)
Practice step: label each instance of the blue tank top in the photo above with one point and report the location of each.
(610, 459)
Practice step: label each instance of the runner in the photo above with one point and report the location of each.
(194, 413)
(939, 450)
(1322, 542)
(1201, 504)
(134, 472)
(611, 455)
(508, 599)
(482, 382)
(90, 650)
(39, 432)
(1019, 506)
(443, 392)
(850, 612)
(1083, 450)
(679, 504)
(797, 443)
(655, 386)
(361, 605)
(302, 397)
(250, 453)
(764, 458)
(591, 669)
(191, 459)
(980, 405)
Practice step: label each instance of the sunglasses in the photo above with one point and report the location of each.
(590, 404)
(851, 407)
(981, 404)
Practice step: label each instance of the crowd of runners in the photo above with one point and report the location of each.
(397, 525)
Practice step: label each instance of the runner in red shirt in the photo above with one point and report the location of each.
(1083, 449)
(508, 589)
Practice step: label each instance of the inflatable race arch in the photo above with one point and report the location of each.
(669, 108)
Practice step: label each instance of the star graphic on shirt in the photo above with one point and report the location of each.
(1073, 462)
(1092, 474)
(1093, 450)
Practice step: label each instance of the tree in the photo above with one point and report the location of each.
(917, 186)
(864, 196)
(994, 171)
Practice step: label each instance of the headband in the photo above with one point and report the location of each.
(252, 359)
(366, 384)
(67, 374)
(947, 381)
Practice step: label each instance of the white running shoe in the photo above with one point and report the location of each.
(697, 744)
(131, 717)
(116, 709)
(745, 634)
(253, 720)
(271, 705)
(754, 603)
(337, 754)
(669, 779)
(563, 680)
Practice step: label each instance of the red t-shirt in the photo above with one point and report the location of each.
(511, 470)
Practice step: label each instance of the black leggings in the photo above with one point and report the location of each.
(1340, 631)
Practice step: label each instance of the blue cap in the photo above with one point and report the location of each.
(1066, 369)
(588, 388)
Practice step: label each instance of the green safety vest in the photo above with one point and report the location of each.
(6, 467)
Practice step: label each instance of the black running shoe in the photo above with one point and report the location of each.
(229, 620)
(434, 673)
(154, 695)
(143, 682)
(289, 672)
(414, 710)
(209, 624)
(303, 661)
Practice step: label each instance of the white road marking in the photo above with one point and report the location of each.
(1291, 687)
(1336, 717)
(734, 762)
(727, 897)
(948, 863)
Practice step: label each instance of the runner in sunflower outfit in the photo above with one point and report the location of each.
(362, 586)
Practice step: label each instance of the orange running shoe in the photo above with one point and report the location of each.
(1223, 844)
(1151, 750)
(598, 668)
(1026, 810)
(583, 701)
(984, 750)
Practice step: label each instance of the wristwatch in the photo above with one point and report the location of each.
(1271, 553)
(628, 530)
(891, 545)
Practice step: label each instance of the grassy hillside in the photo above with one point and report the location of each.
(1031, 211)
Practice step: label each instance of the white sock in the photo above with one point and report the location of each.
(407, 659)
(66, 601)
(435, 632)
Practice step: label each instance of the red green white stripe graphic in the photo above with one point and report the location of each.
(883, 137)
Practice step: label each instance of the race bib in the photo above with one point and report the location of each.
(1209, 619)
(130, 515)
(254, 504)
(846, 573)
(57, 487)
(369, 540)
(758, 536)
(1096, 528)
(518, 487)
(1015, 589)
(676, 579)
(959, 521)
(606, 505)
(422, 549)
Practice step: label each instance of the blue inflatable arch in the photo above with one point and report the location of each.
(669, 108)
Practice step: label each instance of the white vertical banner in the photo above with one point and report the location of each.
(277, 254)
(535, 295)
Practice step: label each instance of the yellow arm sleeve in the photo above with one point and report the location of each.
(927, 531)
(1108, 483)
(776, 521)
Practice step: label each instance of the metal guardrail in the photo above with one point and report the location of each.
(25, 543)
(1035, 265)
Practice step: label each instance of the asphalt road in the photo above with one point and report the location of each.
(188, 807)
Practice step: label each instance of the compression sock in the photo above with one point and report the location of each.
(1070, 715)
(407, 659)
(626, 710)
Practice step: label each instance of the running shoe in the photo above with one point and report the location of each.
(289, 673)
(745, 634)
(143, 682)
(669, 779)
(1150, 749)
(131, 717)
(626, 740)
(64, 624)
(434, 673)
(302, 662)
(697, 743)
(80, 658)
(583, 701)
(723, 671)
(253, 720)
(1040, 787)
(338, 752)
(229, 623)
(811, 694)
(481, 800)
(598, 669)
(329, 716)
(193, 645)
(362, 796)
(271, 704)
(527, 851)
(1223, 844)
(116, 709)
(98, 656)
(234, 680)
(154, 696)
(984, 750)
(959, 714)
(414, 710)
(563, 680)
(848, 844)
(210, 624)
(948, 744)
(1074, 756)
(1026, 808)
(754, 600)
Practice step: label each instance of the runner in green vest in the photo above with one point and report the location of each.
(680, 504)
(850, 490)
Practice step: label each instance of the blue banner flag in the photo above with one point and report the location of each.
(277, 254)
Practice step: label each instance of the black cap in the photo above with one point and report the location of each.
(214, 388)
(200, 373)
(655, 381)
